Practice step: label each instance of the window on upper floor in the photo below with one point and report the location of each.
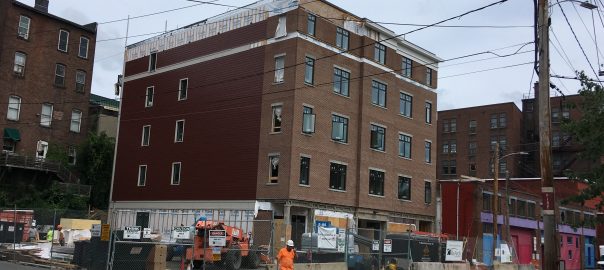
(83, 49)
(472, 148)
(179, 131)
(407, 67)
(429, 72)
(76, 121)
(342, 38)
(376, 182)
(14, 108)
(406, 105)
(378, 138)
(337, 176)
(80, 81)
(146, 137)
(341, 82)
(449, 167)
(339, 128)
(404, 145)
(502, 120)
(311, 24)
(487, 202)
(60, 75)
(428, 151)
(453, 125)
(19, 67)
(277, 111)
(428, 113)
(472, 126)
(378, 93)
(142, 175)
(176, 170)
(63, 40)
(309, 71)
(273, 168)
(304, 171)
(565, 113)
(453, 146)
(308, 120)
(494, 121)
(46, 115)
(183, 88)
(404, 188)
(71, 155)
(427, 192)
(41, 149)
(152, 61)
(149, 96)
(530, 212)
(445, 147)
(379, 54)
(23, 29)
(279, 68)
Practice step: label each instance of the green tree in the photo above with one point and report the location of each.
(95, 164)
(589, 132)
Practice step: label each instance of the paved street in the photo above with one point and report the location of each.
(14, 266)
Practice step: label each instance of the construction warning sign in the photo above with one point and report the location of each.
(217, 238)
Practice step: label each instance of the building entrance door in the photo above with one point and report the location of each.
(298, 228)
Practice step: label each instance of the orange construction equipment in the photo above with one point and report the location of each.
(236, 252)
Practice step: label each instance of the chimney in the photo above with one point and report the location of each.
(42, 5)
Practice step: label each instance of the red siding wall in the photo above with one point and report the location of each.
(220, 149)
(466, 208)
(522, 241)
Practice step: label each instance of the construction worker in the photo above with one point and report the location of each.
(286, 256)
(61, 235)
(49, 235)
(392, 264)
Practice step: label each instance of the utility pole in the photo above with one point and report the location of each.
(550, 245)
(495, 197)
(506, 220)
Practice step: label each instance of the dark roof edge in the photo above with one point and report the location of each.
(487, 105)
(91, 27)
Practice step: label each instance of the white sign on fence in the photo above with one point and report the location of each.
(217, 238)
(327, 238)
(96, 230)
(132, 232)
(387, 245)
(181, 232)
(506, 255)
(454, 251)
(147, 233)
(376, 245)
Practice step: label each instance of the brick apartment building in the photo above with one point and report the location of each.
(46, 67)
(296, 109)
(467, 137)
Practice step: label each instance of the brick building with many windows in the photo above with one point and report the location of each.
(46, 67)
(300, 108)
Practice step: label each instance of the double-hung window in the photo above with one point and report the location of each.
(378, 138)
(142, 175)
(279, 68)
(407, 67)
(14, 108)
(179, 132)
(309, 71)
(176, 169)
(277, 110)
(376, 182)
(404, 146)
(304, 170)
(341, 81)
(404, 188)
(83, 49)
(308, 120)
(80, 80)
(19, 67)
(428, 109)
(428, 151)
(149, 96)
(63, 40)
(337, 176)
(429, 76)
(60, 75)
(406, 105)
(46, 115)
(183, 87)
(23, 30)
(76, 121)
(342, 37)
(378, 93)
(311, 24)
(339, 128)
(379, 54)
(273, 175)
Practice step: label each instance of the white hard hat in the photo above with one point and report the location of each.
(290, 243)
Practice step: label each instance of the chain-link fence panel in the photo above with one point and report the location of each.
(196, 239)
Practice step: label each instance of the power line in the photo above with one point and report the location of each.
(577, 39)
(567, 60)
(485, 70)
(156, 13)
(587, 30)
(574, 78)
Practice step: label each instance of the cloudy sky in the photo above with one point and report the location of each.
(470, 81)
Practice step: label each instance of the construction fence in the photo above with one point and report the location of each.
(46, 237)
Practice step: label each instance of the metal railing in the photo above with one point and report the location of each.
(40, 164)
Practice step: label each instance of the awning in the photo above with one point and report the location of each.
(12, 134)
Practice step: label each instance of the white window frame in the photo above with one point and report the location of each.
(152, 60)
(274, 107)
(428, 157)
(138, 180)
(179, 173)
(19, 68)
(24, 35)
(428, 113)
(273, 179)
(176, 140)
(13, 106)
(42, 146)
(148, 128)
(66, 41)
(62, 75)
(279, 68)
(75, 120)
(79, 74)
(345, 127)
(85, 56)
(180, 89)
(46, 119)
(149, 101)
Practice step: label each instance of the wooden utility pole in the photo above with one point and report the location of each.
(506, 217)
(495, 197)
(550, 245)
